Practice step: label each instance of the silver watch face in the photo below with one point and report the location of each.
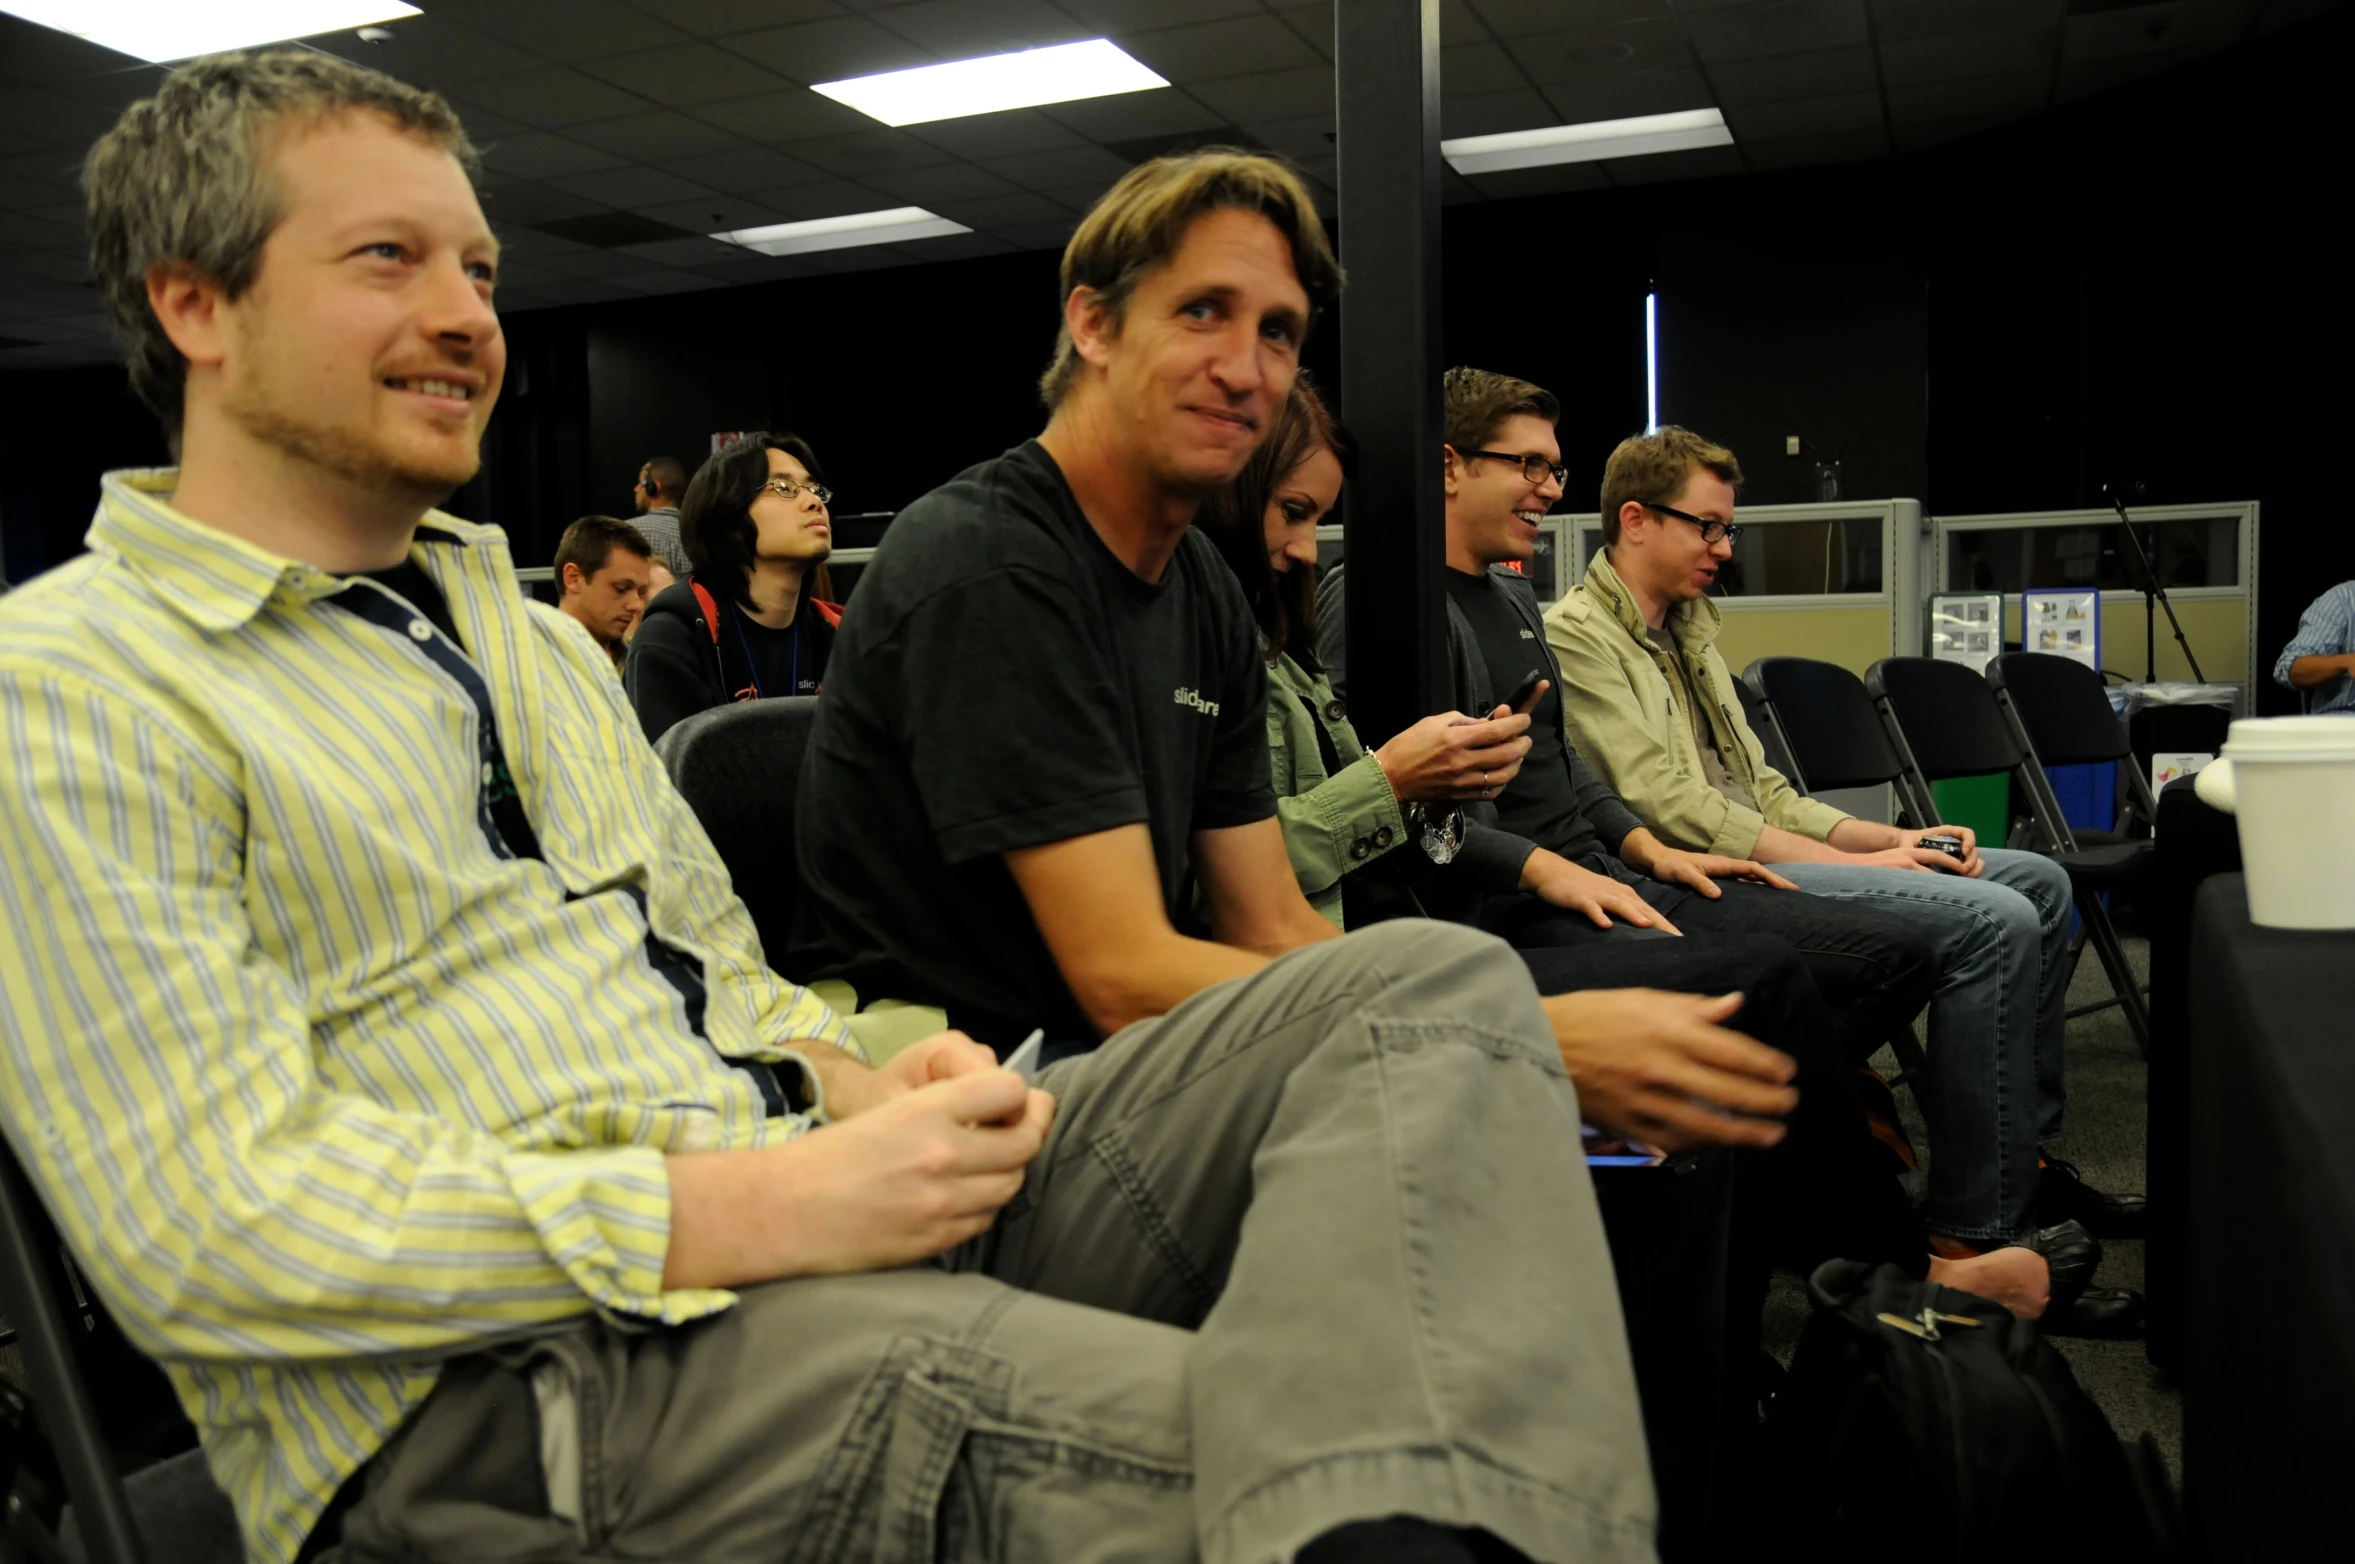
(1442, 837)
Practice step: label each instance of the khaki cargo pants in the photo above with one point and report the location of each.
(1317, 1246)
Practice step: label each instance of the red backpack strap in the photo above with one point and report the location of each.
(830, 612)
(711, 609)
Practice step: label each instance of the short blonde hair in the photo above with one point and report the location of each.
(183, 179)
(1139, 223)
(1650, 469)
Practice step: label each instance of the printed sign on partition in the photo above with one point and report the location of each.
(1966, 628)
(2066, 623)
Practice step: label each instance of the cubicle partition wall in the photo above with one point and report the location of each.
(2206, 555)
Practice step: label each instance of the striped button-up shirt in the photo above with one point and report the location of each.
(2326, 629)
(323, 1084)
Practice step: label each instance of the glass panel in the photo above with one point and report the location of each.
(1790, 558)
(2203, 551)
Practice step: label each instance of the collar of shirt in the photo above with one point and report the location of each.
(216, 581)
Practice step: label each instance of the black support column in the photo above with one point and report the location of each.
(1386, 67)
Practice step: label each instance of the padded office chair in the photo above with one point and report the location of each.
(739, 768)
(170, 1511)
(1822, 720)
(1944, 721)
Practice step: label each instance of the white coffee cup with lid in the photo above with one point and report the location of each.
(2290, 783)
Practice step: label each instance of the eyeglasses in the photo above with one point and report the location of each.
(1711, 531)
(786, 488)
(1534, 468)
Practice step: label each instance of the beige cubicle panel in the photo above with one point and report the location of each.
(1855, 638)
(2215, 619)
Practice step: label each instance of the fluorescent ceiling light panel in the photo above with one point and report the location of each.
(1094, 69)
(1588, 143)
(843, 233)
(177, 29)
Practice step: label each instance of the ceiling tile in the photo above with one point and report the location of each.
(1937, 133)
(713, 18)
(793, 115)
(1039, 236)
(51, 265)
(962, 29)
(632, 187)
(955, 247)
(586, 263)
(697, 251)
(1306, 140)
(929, 187)
(651, 138)
(434, 51)
(1780, 79)
(569, 29)
(1855, 146)
(540, 154)
(2086, 78)
(1515, 18)
(1494, 113)
(1665, 167)
(1133, 16)
(685, 73)
(1557, 179)
(1080, 197)
(1632, 47)
(750, 268)
(1469, 69)
(1134, 116)
(996, 135)
(1622, 97)
(1270, 94)
(1908, 21)
(870, 152)
(1783, 27)
(56, 117)
(1960, 57)
(2145, 30)
(744, 169)
(713, 214)
(1046, 170)
(830, 198)
(666, 280)
(1314, 22)
(2014, 95)
(1003, 211)
(522, 205)
(1209, 50)
(576, 291)
(830, 50)
(1836, 113)
(553, 96)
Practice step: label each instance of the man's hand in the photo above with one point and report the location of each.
(1890, 847)
(1702, 871)
(1451, 758)
(1662, 1069)
(1598, 896)
(1926, 859)
(944, 1056)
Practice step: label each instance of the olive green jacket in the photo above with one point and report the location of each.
(1332, 824)
(1625, 707)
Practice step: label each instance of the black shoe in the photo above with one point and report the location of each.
(2071, 1256)
(2062, 1195)
(2098, 1312)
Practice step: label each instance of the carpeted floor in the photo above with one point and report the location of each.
(2104, 1137)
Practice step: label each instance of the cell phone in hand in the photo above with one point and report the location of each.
(1023, 1061)
(1951, 846)
(1524, 694)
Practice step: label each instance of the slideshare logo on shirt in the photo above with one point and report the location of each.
(1193, 698)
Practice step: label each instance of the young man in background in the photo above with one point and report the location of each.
(604, 573)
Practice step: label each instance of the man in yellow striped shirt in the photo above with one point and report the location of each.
(382, 1031)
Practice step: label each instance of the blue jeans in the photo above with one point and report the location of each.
(1997, 1018)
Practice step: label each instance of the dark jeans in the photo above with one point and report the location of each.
(1693, 1264)
(1873, 972)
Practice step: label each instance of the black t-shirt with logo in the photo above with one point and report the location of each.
(791, 661)
(1003, 681)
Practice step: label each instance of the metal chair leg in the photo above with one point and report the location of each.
(2104, 935)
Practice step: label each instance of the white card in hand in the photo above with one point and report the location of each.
(1023, 1061)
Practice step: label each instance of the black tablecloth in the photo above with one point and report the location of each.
(2269, 1363)
(2194, 842)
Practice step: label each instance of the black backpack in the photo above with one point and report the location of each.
(1929, 1424)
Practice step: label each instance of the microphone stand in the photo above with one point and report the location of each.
(2154, 596)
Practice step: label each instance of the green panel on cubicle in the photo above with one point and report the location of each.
(1982, 803)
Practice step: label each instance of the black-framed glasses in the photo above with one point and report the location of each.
(1534, 468)
(786, 488)
(1711, 530)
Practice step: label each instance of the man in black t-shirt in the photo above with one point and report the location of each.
(1042, 742)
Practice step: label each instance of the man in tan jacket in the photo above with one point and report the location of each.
(1651, 706)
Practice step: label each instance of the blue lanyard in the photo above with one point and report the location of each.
(752, 664)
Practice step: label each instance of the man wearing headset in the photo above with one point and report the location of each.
(661, 485)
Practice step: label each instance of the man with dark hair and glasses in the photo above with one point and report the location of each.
(1650, 702)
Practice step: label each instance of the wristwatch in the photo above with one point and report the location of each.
(1442, 835)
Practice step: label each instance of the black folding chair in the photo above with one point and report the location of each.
(2060, 715)
(1944, 721)
(1822, 720)
(739, 768)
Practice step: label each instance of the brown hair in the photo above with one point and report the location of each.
(1235, 518)
(1473, 402)
(1651, 468)
(183, 180)
(590, 542)
(1138, 224)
